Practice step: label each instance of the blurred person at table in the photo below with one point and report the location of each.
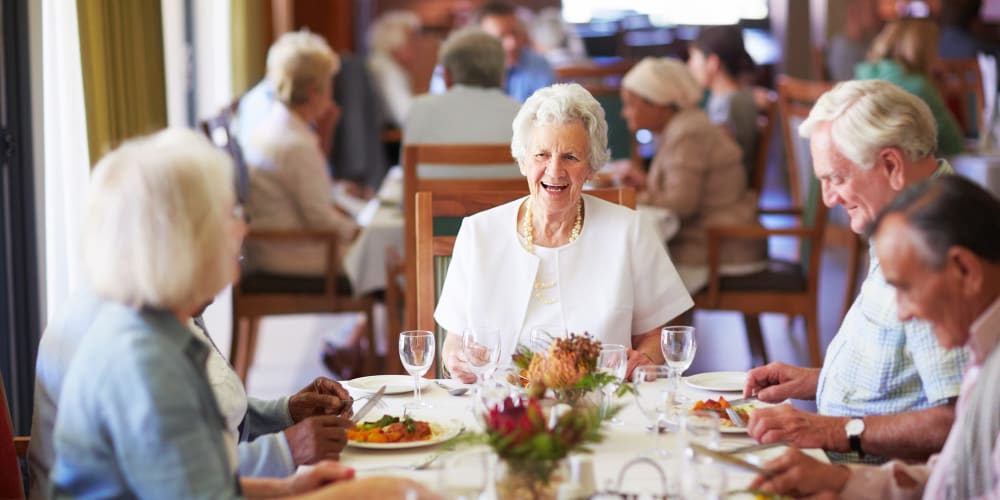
(392, 41)
(939, 248)
(883, 376)
(527, 71)
(697, 171)
(290, 187)
(556, 40)
(548, 258)
(137, 416)
(958, 30)
(717, 60)
(474, 110)
(903, 54)
(275, 436)
(850, 45)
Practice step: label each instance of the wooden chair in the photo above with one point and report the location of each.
(960, 83)
(461, 157)
(786, 287)
(262, 294)
(434, 247)
(767, 110)
(597, 78)
(11, 449)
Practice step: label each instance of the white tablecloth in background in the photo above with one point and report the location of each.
(621, 445)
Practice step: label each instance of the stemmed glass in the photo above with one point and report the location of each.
(654, 394)
(612, 360)
(416, 351)
(481, 347)
(541, 336)
(678, 346)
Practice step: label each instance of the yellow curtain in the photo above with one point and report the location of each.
(248, 42)
(124, 87)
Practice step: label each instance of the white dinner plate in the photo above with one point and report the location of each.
(394, 384)
(718, 381)
(441, 431)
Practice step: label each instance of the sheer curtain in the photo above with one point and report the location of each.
(66, 167)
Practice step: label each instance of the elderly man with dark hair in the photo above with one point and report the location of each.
(882, 376)
(939, 244)
(527, 71)
(474, 110)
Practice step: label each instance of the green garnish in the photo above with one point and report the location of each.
(382, 422)
(410, 425)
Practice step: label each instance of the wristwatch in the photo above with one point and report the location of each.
(854, 428)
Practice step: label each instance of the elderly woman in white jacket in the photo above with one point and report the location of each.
(559, 257)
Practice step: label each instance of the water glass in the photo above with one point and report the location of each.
(679, 347)
(654, 396)
(465, 475)
(700, 427)
(612, 360)
(481, 347)
(540, 337)
(416, 351)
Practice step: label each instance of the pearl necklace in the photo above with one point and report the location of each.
(528, 229)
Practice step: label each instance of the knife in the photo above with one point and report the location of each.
(369, 405)
(743, 401)
(729, 459)
(757, 447)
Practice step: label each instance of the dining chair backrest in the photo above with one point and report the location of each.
(438, 219)
(767, 110)
(603, 80)
(960, 83)
(463, 159)
(10, 470)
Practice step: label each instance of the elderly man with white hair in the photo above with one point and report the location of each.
(886, 388)
(391, 42)
(697, 171)
(938, 244)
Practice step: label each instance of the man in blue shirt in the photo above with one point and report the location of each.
(527, 71)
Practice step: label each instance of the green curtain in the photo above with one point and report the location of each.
(248, 43)
(124, 85)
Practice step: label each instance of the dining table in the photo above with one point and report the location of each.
(626, 461)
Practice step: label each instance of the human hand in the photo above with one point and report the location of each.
(797, 474)
(317, 438)
(635, 360)
(375, 487)
(803, 429)
(776, 382)
(459, 369)
(312, 477)
(323, 396)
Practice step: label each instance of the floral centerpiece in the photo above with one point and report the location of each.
(532, 435)
(568, 367)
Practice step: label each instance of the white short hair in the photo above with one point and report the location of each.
(558, 104)
(391, 29)
(473, 57)
(297, 61)
(156, 221)
(867, 116)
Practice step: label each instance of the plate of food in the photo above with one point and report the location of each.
(392, 433)
(718, 406)
(718, 381)
(394, 384)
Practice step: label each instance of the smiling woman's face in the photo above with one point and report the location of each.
(557, 166)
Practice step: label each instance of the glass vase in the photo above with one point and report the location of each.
(522, 482)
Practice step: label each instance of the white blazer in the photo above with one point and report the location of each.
(616, 278)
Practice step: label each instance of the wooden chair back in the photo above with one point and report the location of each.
(430, 246)
(795, 99)
(767, 111)
(960, 82)
(461, 157)
(11, 485)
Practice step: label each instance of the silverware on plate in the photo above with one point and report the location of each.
(743, 401)
(757, 447)
(728, 458)
(735, 417)
(369, 405)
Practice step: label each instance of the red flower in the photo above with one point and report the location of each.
(518, 420)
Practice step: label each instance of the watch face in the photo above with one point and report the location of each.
(855, 427)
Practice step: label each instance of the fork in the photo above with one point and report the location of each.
(421, 465)
(735, 417)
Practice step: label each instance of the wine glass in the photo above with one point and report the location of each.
(416, 351)
(541, 336)
(611, 360)
(473, 480)
(654, 396)
(481, 347)
(678, 346)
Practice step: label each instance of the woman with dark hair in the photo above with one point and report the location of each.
(717, 60)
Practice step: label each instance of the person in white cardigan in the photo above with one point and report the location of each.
(558, 257)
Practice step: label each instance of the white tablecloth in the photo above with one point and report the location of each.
(622, 444)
